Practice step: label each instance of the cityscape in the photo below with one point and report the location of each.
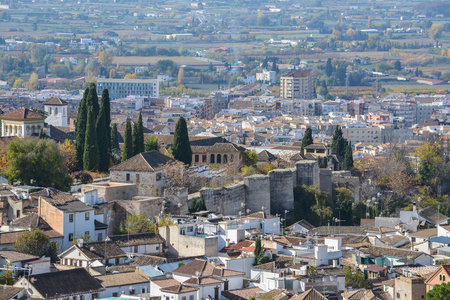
(224, 150)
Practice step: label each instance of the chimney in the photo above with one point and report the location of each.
(414, 206)
(80, 243)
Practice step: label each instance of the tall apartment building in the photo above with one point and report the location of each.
(121, 88)
(297, 85)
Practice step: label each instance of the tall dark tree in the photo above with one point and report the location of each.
(105, 106)
(338, 142)
(348, 157)
(128, 142)
(307, 139)
(92, 100)
(135, 139)
(103, 138)
(80, 128)
(90, 157)
(397, 65)
(181, 147)
(140, 135)
(114, 138)
(328, 68)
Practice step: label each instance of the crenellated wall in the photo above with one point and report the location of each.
(274, 192)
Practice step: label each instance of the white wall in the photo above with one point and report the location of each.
(125, 289)
(78, 227)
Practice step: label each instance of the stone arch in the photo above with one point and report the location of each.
(219, 158)
(212, 159)
(225, 159)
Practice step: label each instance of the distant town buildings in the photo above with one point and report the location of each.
(121, 88)
(297, 85)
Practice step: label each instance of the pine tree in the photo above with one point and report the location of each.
(307, 139)
(140, 134)
(103, 139)
(90, 157)
(80, 129)
(348, 158)
(114, 138)
(181, 147)
(128, 142)
(135, 139)
(105, 105)
(338, 143)
(92, 100)
(397, 65)
(328, 68)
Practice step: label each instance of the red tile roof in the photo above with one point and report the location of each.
(22, 114)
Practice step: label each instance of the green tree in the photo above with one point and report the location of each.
(435, 31)
(128, 142)
(328, 68)
(80, 129)
(181, 146)
(250, 158)
(105, 106)
(36, 243)
(355, 278)
(439, 292)
(103, 136)
(151, 143)
(92, 100)
(305, 199)
(36, 162)
(307, 139)
(135, 223)
(114, 138)
(7, 276)
(140, 134)
(430, 163)
(259, 252)
(338, 142)
(91, 154)
(18, 83)
(135, 139)
(348, 157)
(343, 205)
(416, 72)
(397, 65)
(322, 161)
(42, 134)
(33, 82)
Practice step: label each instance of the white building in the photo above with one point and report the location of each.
(267, 76)
(56, 112)
(121, 88)
(21, 123)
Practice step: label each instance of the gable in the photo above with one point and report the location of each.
(74, 253)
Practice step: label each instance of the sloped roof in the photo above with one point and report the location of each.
(432, 215)
(55, 101)
(54, 196)
(393, 252)
(147, 238)
(202, 281)
(144, 162)
(311, 294)
(242, 294)
(14, 256)
(305, 224)
(179, 289)
(120, 279)
(266, 156)
(98, 250)
(65, 283)
(8, 292)
(197, 267)
(22, 114)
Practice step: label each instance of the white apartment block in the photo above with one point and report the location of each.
(297, 85)
(267, 76)
(121, 88)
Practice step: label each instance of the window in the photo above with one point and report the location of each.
(225, 285)
(190, 229)
(203, 158)
(191, 297)
(183, 298)
(158, 176)
(95, 296)
(86, 216)
(131, 291)
(71, 218)
(197, 159)
(70, 237)
(167, 298)
(157, 248)
(114, 294)
(127, 177)
(143, 291)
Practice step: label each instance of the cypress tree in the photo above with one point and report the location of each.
(140, 134)
(80, 129)
(135, 139)
(92, 100)
(128, 142)
(90, 157)
(338, 143)
(307, 139)
(114, 138)
(328, 68)
(348, 158)
(105, 106)
(102, 140)
(181, 147)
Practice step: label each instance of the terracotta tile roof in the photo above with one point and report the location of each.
(56, 284)
(8, 292)
(197, 267)
(425, 233)
(14, 256)
(393, 252)
(238, 246)
(54, 196)
(22, 114)
(179, 289)
(120, 279)
(164, 283)
(97, 250)
(144, 162)
(55, 101)
(201, 281)
(266, 156)
(311, 294)
(148, 238)
(226, 273)
(145, 260)
(242, 294)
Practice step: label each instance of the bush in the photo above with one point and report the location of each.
(83, 177)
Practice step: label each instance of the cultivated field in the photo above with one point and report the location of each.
(144, 60)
